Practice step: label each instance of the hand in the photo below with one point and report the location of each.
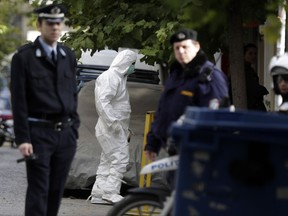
(116, 127)
(26, 149)
(151, 155)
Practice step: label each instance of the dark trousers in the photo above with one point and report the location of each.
(48, 173)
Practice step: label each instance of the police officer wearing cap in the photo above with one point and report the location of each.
(44, 105)
(193, 81)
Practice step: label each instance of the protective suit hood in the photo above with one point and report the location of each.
(122, 62)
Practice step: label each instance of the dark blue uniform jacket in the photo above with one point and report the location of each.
(196, 85)
(39, 86)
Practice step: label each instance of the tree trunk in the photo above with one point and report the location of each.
(236, 57)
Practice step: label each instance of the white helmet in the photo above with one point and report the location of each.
(279, 65)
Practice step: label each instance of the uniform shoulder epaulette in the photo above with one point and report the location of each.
(25, 46)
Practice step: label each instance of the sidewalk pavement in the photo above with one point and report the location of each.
(13, 189)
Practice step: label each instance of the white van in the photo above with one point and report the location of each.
(90, 67)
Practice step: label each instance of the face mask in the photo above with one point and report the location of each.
(131, 69)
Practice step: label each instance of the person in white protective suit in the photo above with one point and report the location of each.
(278, 68)
(113, 108)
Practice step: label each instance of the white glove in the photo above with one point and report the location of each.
(116, 127)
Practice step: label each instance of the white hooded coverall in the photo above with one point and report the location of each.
(113, 108)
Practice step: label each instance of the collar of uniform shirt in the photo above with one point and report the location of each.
(48, 49)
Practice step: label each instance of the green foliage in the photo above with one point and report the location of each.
(147, 25)
(9, 33)
(271, 29)
(273, 23)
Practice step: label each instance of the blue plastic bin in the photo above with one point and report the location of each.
(232, 163)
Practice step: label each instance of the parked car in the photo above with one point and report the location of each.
(6, 128)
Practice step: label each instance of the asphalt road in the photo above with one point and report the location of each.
(13, 188)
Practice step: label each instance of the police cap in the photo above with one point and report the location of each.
(52, 13)
(183, 34)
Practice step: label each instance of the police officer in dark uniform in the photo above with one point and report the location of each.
(193, 81)
(44, 104)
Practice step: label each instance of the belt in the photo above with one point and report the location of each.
(49, 116)
(56, 125)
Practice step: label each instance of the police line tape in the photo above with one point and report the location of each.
(165, 164)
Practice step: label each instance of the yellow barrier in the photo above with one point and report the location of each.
(148, 121)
